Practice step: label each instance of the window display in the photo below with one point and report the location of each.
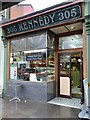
(34, 61)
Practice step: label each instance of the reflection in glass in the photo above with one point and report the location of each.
(70, 42)
(18, 44)
(29, 42)
(36, 41)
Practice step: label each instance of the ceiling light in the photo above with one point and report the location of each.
(68, 56)
(72, 27)
(79, 60)
(77, 36)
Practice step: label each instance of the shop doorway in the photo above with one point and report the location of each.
(71, 75)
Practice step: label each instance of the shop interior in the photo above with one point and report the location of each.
(71, 67)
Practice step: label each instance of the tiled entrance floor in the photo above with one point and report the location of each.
(74, 102)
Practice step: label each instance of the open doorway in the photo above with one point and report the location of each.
(71, 75)
(76, 74)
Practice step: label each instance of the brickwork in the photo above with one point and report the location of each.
(20, 10)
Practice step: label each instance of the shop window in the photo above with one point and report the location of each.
(70, 42)
(27, 62)
(30, 57)
(29, 42)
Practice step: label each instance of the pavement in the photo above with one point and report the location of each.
(34, 109)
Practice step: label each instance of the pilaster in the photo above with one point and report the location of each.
(87, 22)
(5, 64)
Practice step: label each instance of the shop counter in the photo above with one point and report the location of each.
(39, 91)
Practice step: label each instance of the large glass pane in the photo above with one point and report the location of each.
(29, 42)
(70, 42)
(65, 74)
(65, 65)
(18, 44)
(36, 41)
(38, 63)
(28, 63)
(30, 59)
(76, 73)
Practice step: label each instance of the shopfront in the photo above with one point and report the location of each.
(49, 47)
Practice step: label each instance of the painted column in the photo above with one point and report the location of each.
(1, 64)
(5, 64)
(87, 22)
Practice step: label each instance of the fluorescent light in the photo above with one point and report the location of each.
(68, 56)
(34, 51)
(72, 46)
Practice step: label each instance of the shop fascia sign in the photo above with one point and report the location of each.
(48, 19)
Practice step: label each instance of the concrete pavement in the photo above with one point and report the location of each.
(34, 109)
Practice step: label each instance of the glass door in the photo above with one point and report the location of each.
(71, 75)
(64, 75)
(76, 74)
